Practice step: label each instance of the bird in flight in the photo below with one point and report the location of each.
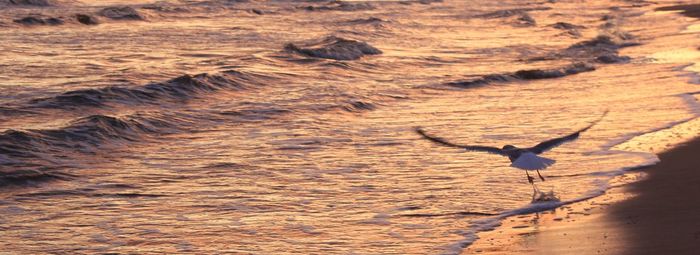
(522, 158)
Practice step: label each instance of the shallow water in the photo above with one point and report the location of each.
(107, 145)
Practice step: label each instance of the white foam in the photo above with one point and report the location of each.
(691, 102)
(491, 223)
(624, 138)
(601, 186)
(693, 108)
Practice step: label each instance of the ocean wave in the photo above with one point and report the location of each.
(38, 20)
(358, 106)
(121, 13)
(42, 20)
(510, 12)
(601, 43)
(88, 192)
(33, 155)
(520, 17)
(38, 3)
(165, 8)
(27, 2)
(603, 49)
(571, 29)
(86, 19)
(536, 74)
(450, 214)
(566, 26)
(27, 177)
(256, 114)
(339, 6)
(334, 48)
(528, 74)
(9, 111)
(424, 1)
(370, 20)
(82, 133)
(180, 88)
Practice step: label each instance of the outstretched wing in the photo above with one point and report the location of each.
(550, 144)
(439, 140)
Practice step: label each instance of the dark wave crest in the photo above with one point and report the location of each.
(359, 106)
(27, 2)
(339, 6)
(334, 48)
(33, 155)
(510, 12)
(9, 111)
(370, 20)
(603, 49)
(530, 74)
(81, 134)
(180, 88)
(28, 177)
(121, 13)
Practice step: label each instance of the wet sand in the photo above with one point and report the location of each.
(690, 10)
(657, 215)
(665, 217)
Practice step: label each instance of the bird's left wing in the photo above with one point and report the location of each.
(550, 144)
(441, 141)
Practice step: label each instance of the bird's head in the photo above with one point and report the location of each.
(508, 147)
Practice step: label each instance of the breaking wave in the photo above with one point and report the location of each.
(334, 48)
(180, 88)
(28, 155)
(529, 74)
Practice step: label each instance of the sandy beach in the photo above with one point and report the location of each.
(657, 215)
(664, 217)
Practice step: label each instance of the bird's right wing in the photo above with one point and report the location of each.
(550, 144)
(441, 141)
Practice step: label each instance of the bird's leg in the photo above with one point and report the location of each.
(538, 173)
(530, 179)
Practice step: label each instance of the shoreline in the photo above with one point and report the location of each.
(647, 210)
(654, 215)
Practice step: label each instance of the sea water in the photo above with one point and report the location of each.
(193, 128)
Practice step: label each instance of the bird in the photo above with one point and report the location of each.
(521, 158)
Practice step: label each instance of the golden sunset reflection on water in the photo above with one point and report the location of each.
(276, 152)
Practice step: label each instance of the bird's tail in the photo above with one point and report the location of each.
(530, 161)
